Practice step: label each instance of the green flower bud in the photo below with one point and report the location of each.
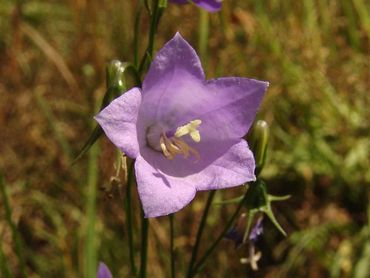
(115, 75)
(258, 143)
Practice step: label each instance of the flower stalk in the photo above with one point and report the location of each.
(144, 245)
(199, 266)
(172, 245)
(199, 233)
(129, 224)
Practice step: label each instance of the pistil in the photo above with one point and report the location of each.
(172, 144)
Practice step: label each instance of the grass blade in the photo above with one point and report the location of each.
(16, 238)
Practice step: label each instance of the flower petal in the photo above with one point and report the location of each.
(176, 55)
(119, 120)
(233, 168)
(103, 271)
(209, 5)
(174, 73)
(161, 194)
(234, 103)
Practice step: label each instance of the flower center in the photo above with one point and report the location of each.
(172, 145)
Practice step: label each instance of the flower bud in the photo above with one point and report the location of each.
(115, 75)
(258, 143)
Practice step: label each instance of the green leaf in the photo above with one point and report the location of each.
(97, 132)
(230, 201)
(271, 215)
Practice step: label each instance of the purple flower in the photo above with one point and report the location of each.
(209, 5)
(256, 231)
(103, 271)
(184, 132)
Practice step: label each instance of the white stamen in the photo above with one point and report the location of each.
(175, 145)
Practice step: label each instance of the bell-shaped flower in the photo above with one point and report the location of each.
(184, 132)
(209, 5)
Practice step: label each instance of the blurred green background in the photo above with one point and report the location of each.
(315, 54)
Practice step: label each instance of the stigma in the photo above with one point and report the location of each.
(172, 143)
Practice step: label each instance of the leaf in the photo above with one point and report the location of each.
(230, 201)
(97, 132)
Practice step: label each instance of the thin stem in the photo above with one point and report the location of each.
(144, 245)
(203, 35)
(16, 238)
(136, 32)
(4, 267)
(156, 15)
(202, 261)
(128, 210)
(172, 246)
(200, 232)
(90, 243)
(153, 27)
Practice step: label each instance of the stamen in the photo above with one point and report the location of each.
(186, 149)
(166, 153)
(182, 146)
(174, 145)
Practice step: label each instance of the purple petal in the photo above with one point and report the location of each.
(257, 230)
(209, 5)
(119, 120)
(233, 168)
(159, 193)
(174, 74)
(103, 271)
(234, 103)
(170, 185)
(175, 58)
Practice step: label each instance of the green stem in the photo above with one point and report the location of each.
(16, 238)
(200, 232)
(90, 243)
(203, 33)
(172, 246)
(144, 245)
(202, 261)
(136, 33)
(156, 15)
(128, 210)
(4, 268)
